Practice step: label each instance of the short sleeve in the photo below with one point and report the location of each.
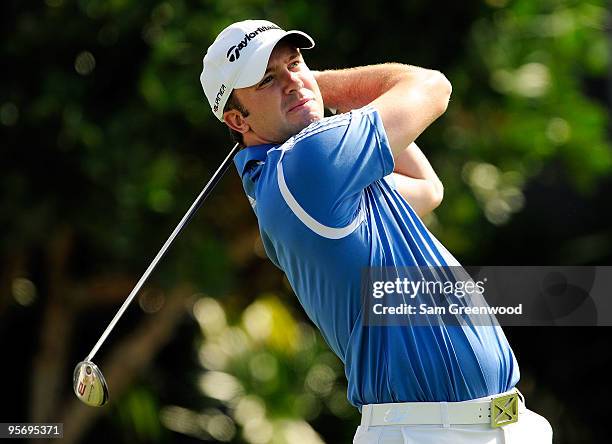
(330, 163)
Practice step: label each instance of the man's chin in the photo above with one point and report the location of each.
(297, 127)
(308, 120)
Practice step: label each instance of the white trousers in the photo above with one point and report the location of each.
(531, 428)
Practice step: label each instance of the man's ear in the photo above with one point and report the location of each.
(236, 121)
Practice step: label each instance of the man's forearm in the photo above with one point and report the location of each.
(411, 98)
(413, 163)
(417, 181)
(352, 88)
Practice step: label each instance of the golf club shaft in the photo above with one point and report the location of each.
(184, 221)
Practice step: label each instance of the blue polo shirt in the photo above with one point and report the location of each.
(327, 210)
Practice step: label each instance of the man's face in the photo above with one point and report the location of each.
(284, 102)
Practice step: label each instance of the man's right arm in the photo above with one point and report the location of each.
(407, 98)
(416, 181)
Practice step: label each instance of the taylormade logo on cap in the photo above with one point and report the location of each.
(239, 56)
(234, 52)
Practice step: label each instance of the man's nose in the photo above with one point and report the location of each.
(293, 82)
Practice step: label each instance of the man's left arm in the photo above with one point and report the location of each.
(416, 180)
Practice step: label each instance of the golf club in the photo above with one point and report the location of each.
(88, 381)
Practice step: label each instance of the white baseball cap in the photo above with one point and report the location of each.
(239, 56)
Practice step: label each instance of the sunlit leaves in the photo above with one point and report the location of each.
(269, 370)
(534, 57)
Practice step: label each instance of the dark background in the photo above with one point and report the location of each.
(107, 138)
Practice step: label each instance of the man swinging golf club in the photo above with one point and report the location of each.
(336, 195)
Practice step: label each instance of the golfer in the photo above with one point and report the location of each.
(336, 195)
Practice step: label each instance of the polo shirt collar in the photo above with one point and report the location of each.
(251, 153)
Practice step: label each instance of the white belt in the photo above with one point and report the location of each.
(474, 411)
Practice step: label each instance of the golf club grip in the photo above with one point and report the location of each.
(184, 221)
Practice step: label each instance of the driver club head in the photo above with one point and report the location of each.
(89, 384)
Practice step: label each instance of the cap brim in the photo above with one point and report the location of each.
(258, 62)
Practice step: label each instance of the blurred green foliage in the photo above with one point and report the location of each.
(107, 136)
(519, 104)
(267, 374)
